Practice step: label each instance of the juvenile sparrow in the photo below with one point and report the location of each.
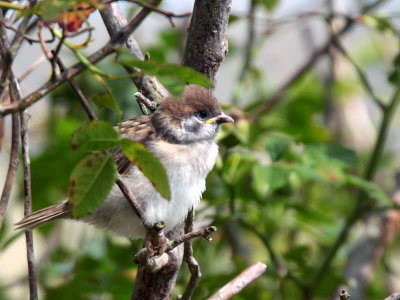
(181, 135)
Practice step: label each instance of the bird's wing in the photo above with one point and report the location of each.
(139, 129)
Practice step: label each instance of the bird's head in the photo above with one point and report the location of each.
(194, 117)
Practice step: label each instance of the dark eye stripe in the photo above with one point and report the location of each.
(203, 114)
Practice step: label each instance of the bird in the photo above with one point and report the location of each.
(181, 134)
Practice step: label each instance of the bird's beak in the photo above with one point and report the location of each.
(221, 118)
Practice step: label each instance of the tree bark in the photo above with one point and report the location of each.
(206, 46)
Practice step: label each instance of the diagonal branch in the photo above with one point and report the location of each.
(237, 284)
(149, 86)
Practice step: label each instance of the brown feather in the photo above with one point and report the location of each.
(47, 214)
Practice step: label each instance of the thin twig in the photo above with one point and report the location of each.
(78, 92)
(132, 201)
(193, 265)
(26, 37)
(28, 205)
(145, 103)
(14, 159)
(280, 269)
(168, 14)
(204, 232)
(77, 68)
(361, 74)
(233, 287)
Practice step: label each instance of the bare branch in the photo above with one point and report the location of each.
(207, 46)
(239, 282)
(166, 13)
(78, 92)
(192, 263)
(203, 232)
(28, 205)
(361, 74)
(14, 159)
(132, 201)
(395, 296)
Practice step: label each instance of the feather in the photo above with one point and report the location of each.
(47, 214)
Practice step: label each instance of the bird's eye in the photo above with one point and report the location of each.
(202, 114)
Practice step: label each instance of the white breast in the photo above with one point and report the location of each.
(187, 167)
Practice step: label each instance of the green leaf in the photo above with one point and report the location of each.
(380, 23)
(149, 164)
(95, 136)
(267, 179)
(370, 188)
(277, 145)
(51, 9)
(186, 74)
(331, 153)
(146, 66)
(269, 4)
(90, 182)
(106, 100)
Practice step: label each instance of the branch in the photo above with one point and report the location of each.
(207, 46)
(76, 69)
(280, 269)
(149, 86)
(240, 282)
(166, 13)
(361, 74)
(14, 159)
(395, 296)
(28, 203)
(203, 232)
(193, 265)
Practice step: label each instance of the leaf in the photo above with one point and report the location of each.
(331, 153)
(277, 145)
(146, 66)
(95, 136)
(149, 164)
(51, 9)
(370, 188)
(106, 100)
(269, 4)
(90, 182)
(380, 23)
(186, 74)
(73, 20)
(267, 179)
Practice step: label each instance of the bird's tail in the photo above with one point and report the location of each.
(47, 214)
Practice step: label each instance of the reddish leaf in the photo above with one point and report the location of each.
(72, 20)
